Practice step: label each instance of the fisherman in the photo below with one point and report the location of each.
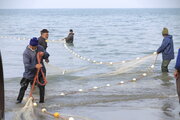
(177, 74)
(31, 66)
(167, 50)
(43, 39)
(70, 37)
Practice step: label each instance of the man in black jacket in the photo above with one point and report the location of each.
(43, 39)
(70, 37)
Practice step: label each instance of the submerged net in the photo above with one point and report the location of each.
(133, 66)
(54, 70)
(27, 112)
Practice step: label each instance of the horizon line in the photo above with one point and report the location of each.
(96, 8)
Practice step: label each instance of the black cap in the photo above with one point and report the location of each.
(71, 30)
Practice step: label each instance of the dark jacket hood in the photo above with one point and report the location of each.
(169, 36)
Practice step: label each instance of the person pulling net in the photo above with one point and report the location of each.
(34, 74)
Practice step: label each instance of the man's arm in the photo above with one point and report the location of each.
(46, 54)
(27, 63)
(164, 44)
(177, 66)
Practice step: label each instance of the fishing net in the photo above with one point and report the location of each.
(27, 112)
(54, 70)
(32, 112)
(144, 64)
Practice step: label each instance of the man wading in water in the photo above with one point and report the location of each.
(177, 74)
(43, 39)
(167, 50)
(70, 37)
(31, 66)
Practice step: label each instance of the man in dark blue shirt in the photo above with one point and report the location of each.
(177, 74)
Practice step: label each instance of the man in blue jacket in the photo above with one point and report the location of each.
(177, 74)
(167, 50)
(31, 65)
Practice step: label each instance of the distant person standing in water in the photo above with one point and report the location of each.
(177, 74)
(43, 39)
(167, 50)
(70, 37)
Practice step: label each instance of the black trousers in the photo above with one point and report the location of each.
(24, 85)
